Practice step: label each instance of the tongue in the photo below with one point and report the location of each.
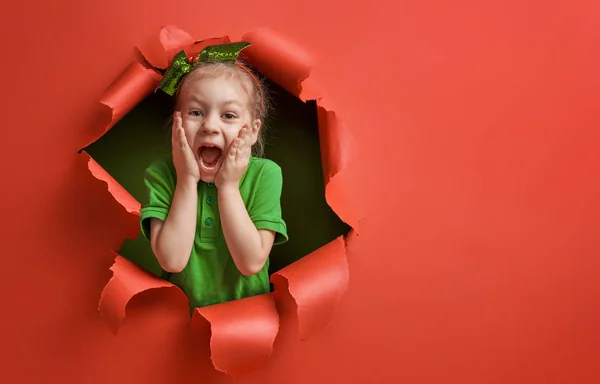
(210, 155)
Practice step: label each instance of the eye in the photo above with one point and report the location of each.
(195, 112)
(229, 115)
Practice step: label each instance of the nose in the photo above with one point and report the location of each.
(210, 124)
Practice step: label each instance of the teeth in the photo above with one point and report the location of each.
(208, 167)
(202, 161)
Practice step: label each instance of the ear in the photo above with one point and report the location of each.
(256, 125)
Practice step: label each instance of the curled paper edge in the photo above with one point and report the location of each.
(128, 89)
(315, 283)
(120, 194)
(288, 64)
(159, 50)
(128, 280)
(242, 332)
(338, 153)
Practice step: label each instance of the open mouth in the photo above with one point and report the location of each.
(209, 156)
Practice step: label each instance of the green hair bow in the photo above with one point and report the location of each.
(182, 64)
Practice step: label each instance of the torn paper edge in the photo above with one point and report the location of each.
(277, 71)
(120, 194)
(113, 310)
(127, 90)
(170, 39)
(292, 285)
(130, 87)
(335, 171)
(204, 317)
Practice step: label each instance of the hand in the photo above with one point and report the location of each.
(236, 160)
(184, 160)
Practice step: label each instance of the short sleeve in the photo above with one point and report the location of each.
(265, 211)
(160, 186)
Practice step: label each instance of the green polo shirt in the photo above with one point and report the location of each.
(210, 276)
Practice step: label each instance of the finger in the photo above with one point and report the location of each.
(240, 143)
(243, 133)
(182, 139)
(178, 130)
(174, 129)
(234, 148)
(242, 151)
(176, 124)
(246, 136)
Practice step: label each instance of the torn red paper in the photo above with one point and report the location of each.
(315, 283)
(279, 58)
(242, 332)
(132, 86)
(121, 195)
(124, 198)
(198, 46)
(128, 280)
(129, 89)
(338, 151)
(158, 52)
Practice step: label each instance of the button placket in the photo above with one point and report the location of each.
(209, 216)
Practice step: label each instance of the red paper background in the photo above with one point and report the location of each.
(478, 262)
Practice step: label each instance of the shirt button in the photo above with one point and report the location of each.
(208, 222)
(209, 200)
(210, 185)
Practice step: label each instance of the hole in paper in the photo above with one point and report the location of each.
(292, 141)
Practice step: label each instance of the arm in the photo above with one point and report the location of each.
(173, 239)
(248, 246)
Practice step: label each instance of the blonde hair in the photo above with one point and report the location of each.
(253, 85)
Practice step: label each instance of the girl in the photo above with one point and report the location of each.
(214, 209)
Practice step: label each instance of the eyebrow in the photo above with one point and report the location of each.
(227, 102)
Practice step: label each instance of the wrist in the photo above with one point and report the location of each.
(187, 183)
(228, 189)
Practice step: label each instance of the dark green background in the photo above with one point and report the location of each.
(291, 141)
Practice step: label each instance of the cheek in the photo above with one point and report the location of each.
(231, 134)
(229, 137)
(191, 131)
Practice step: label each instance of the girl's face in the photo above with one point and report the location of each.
(214, 110)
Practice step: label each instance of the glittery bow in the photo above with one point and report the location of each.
(182, 64)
